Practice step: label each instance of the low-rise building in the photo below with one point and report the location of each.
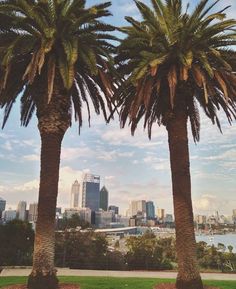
(103, 219)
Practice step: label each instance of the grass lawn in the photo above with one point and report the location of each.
(114, 283)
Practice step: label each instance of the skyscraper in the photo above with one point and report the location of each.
(161, 214)
(33, 212)
(91, 192)
(75, 189)
(2, 206)
(103, 219)
(9, 215)
(104, 198)
(137, 207)
(150, 210)
(234, 216)
(114, 208)
(21, 211)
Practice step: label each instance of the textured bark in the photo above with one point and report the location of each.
(188, 273)
(53, 121)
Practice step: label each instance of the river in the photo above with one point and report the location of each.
(227, 239)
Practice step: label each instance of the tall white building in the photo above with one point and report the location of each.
(161, 214)
(33, 212)
(75, 190)
(2, 206)
(234, 216)
(21, 211)
(137, 207)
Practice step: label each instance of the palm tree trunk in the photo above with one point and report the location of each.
(188, 273)
(53, 121)
(43, 274)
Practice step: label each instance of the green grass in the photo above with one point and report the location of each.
(114, 283)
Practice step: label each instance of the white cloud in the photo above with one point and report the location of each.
(128, 7)
(5, 135)
(122, 137)
(109, 178)
(67, 177)
(113, 155)
(228, 155)
(30, 143)
(32, 157)
(7, 146)
(68, 154)
(158, 164)
(28, 186)
(208, 203)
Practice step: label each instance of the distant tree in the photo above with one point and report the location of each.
(221, 247)
(230, 248)
(117, 244)
(229, 264)
(115, 260)
(16, 243)
(73, 222)
(148, 253)
(81, 250)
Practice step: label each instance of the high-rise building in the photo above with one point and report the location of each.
(91, 192)
(84, 213)
(103, 219)
(150, 210)
(21, 211)
(2, 206)
(161, 214)
(75, 189)
(114, 208)
(137, 207)
(234, 216)
(33, 212)
(104, 198)
(9, 215)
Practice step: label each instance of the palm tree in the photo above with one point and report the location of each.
(172, 60)
(55, 55)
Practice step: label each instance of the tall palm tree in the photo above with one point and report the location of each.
(172, 62)
(55, 55)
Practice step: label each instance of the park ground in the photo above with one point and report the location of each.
(114, 282)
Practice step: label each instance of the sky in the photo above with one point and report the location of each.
(131, 167)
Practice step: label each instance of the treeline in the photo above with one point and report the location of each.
(86, 251)
(16, 243)
(91, 251)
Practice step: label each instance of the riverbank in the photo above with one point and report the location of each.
(227, 240)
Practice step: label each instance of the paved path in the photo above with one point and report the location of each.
(121, 274)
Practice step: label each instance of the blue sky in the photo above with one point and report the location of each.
(130, 167)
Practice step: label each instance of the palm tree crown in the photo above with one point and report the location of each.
(50, 39)
(171, 53)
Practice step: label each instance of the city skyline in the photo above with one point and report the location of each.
(131, 167)
(158, 212)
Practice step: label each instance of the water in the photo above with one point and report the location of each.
(228, 239)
